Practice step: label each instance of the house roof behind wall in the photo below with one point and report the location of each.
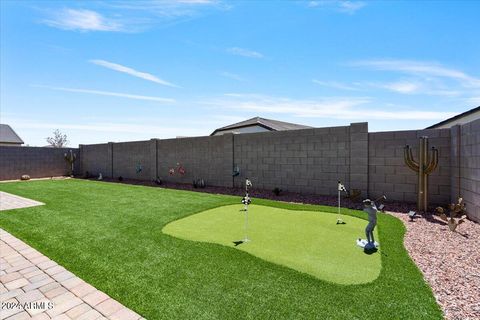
(475, 112)
(8, 135)
(272, 125)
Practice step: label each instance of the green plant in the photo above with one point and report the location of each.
(456, 216)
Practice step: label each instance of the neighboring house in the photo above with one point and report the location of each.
(8, 137)
(258, 124)
(462, 118)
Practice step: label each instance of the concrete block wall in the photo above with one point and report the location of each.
(358, 150)
(466, 165)
(208, 158)
(37, 162)
(96, 158)
(389, 175)
(133, 160)
(455, 159)
(308, 160)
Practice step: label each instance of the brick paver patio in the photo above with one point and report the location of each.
(10, 201)
(34, 287)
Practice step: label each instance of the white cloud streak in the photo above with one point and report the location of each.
(82, 20)
(111, 127)
(132, 72)
(245, 52)
(419, 68)
(344, 6)
(474, 101)
(335, 85)
(130, 16)
(232, 76)
(109, 93)
(413, 86)
(351, 7)
(351, 108)
(405, 87)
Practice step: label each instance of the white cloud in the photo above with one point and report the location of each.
(349, 7)
(416, 87)
(474, 101)
(108, 127)
(82, 20)
(335, 85)
(351, 108)
(405, 86)
(132, 72)
(232, 76)
(167, 9)
(245, 52)
(130, 16)
(420, 68)
(402, 87)
(109, 93)
(197, 1)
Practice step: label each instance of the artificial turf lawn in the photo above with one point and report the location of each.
(110, 235)
(307, 241)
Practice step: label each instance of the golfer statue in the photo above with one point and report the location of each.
(371, 209)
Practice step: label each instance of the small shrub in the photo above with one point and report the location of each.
(457, 214)
(25, 177)
(120, 178)
(277, 191)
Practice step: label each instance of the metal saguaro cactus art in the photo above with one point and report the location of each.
(427, 162)
(70, 157)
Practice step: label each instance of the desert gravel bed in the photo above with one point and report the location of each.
(285, 196)
(450, 262)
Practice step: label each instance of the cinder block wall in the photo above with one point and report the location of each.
(37, 162)
(96, 158)
(465, 156)
(208, 158)
(389, 175)
(133, 160)
(308, 160)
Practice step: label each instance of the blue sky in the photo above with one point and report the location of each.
(124, 70)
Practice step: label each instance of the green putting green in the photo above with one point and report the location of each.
(306, 241)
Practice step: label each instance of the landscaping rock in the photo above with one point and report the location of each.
(449, 262)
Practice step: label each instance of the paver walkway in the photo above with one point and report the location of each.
(10, 201)
(34, 287)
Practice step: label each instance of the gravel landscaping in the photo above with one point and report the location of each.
(449, 261)
(284, 196)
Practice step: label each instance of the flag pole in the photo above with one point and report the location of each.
(340, 188)
(246, 202)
